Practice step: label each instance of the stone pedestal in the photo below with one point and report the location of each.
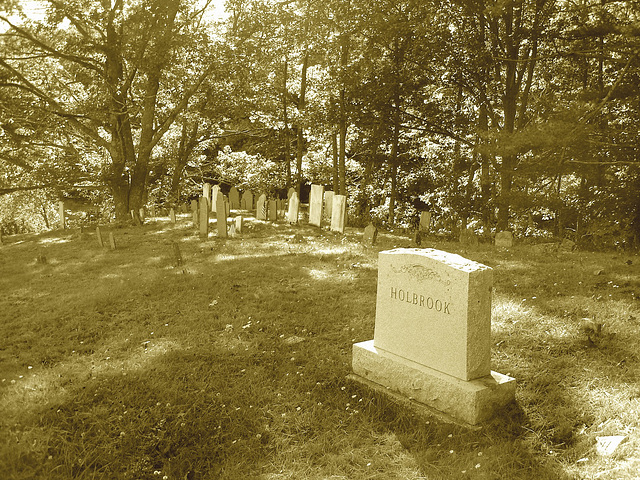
(471, 402)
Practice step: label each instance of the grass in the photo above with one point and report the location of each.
(120, 364)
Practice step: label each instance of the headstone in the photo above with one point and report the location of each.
(467, 237)
(417, 238)
(99, 237)
(177, 256)
(315, 205)
(238, 222)
(370, 235)
(246, 203)
(273, 210)
(504, 239)
(425, 221)
(567, 245)
(261, 207)
(294, 207)
(204, 218)
(232, 230)
(328, 204)
(338, 213)
(234, 199)
(206, 193)
(214, 197)
(172, 215)
(290, 193)
(112, 241)
(432, 338)
(221, 215)
(281, 204)
(61, 214)
(141, 212)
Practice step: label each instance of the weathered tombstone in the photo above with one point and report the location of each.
(467, 237)
(172, 215)
(282, 207)
(232, 230)
(417, 238)
(315, 205)
(194, 212)
(214, 197)
(432, 337)
(504, 239)
(141, 212)
(261, 207)
(112, 241)
(61, 214)
(234, 199)
(294, 207)
(246, 203)
(221, 215)
(328, 204)
(425, 221)
(206, 193)
(567, 245)
(370, 235)
(177, 256)
(99, 237)
(204, 218)
(338, 213)
(273, 210)
(238, 224)
(290, 193)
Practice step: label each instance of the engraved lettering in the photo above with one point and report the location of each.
(393, 293)
(422, 300)
(415, 298)
(438, 305)
(401, 295)
(446, 308)
(430, 305)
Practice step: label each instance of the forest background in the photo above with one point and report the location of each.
(492, 115)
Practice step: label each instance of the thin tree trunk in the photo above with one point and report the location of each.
(301, 106)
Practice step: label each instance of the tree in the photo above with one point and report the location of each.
(119, 75)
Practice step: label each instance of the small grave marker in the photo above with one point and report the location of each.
(99, 237)
(206, 193)
(61, 214)
(425, 221)
(315, 205)
(370, 235)
(234, 198)
(221, 215)
(273, 210)
(239, 224)
(339, 213)
(214, 197)
(504, 239)
(261, 207)
(112, 241)
(141, 212)
(328, 204)
(204, 218)
(177, 256)
(246, 203)
(294, 206)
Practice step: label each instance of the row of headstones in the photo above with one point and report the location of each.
(322, 202)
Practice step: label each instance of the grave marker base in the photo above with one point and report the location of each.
(470, 402)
